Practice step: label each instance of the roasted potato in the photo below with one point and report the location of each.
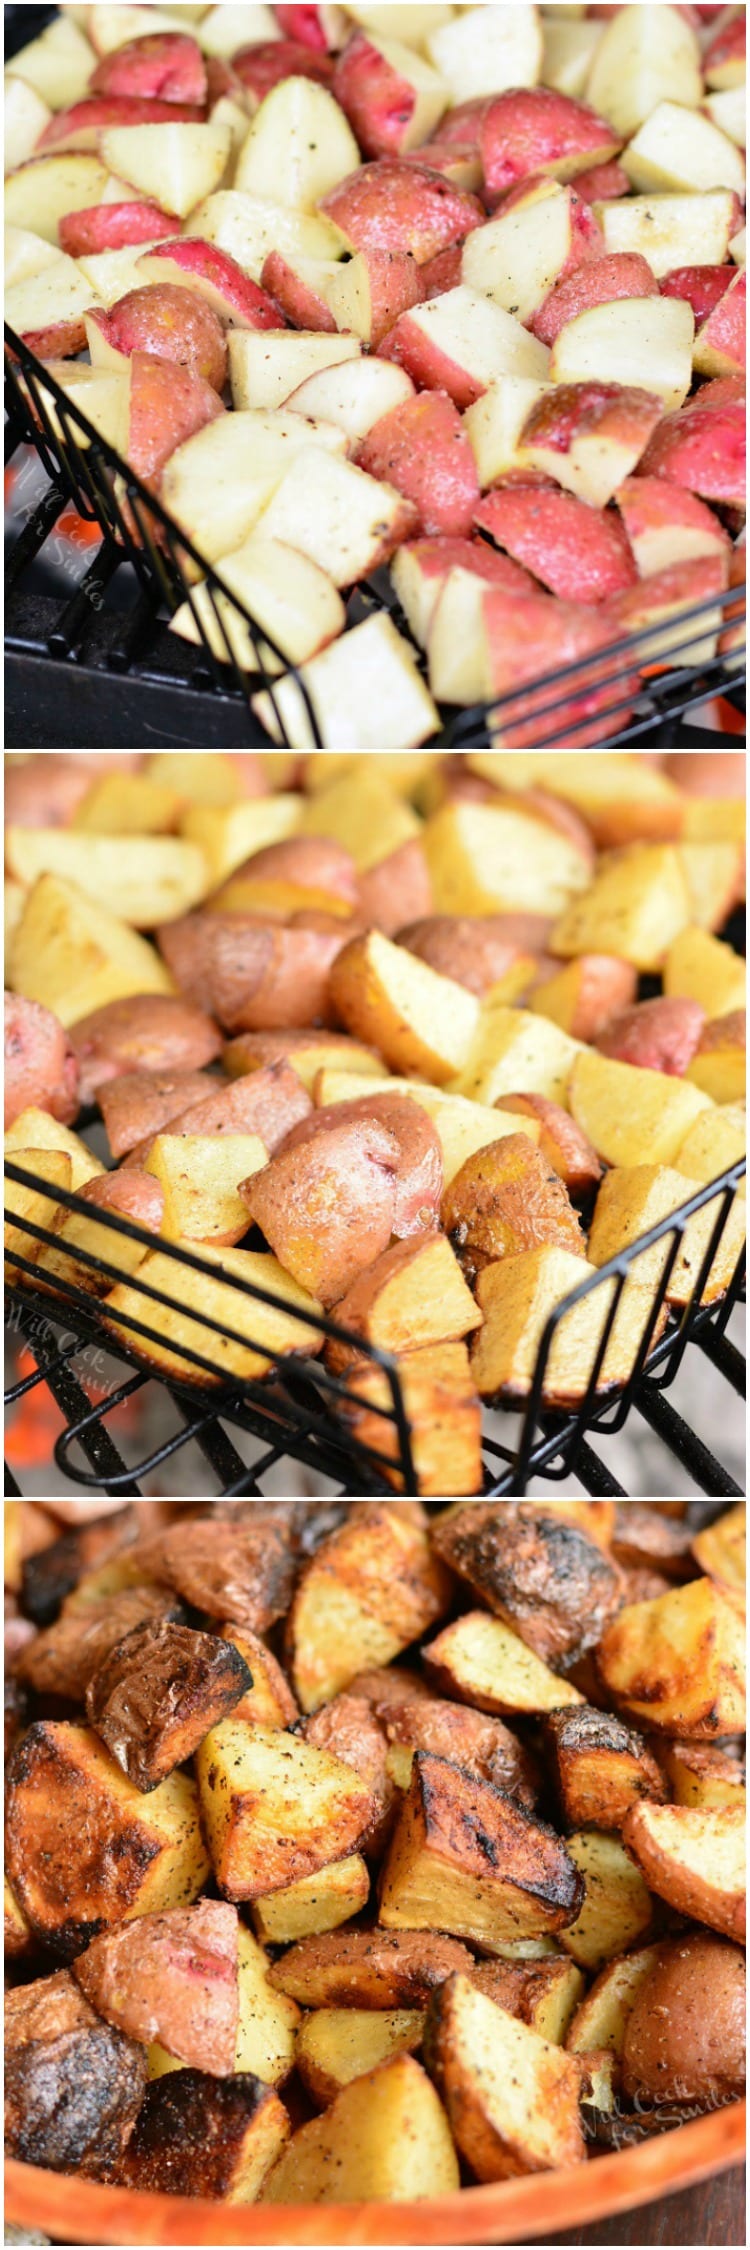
(157, 1693)
(481, 1745)
(268, 1696)
(141, 1033)
(314, 1903)
(511, 2097)
(17, 1934)
(377, 1968)
(695, 1859)
(412, 1296)
(600, 1767)
(482, 1662)
(617, 1909)
(504, 1200)
(384, 2136)
(443, 1412)
(171, 1977)
(41, 1068)
(543, 1994)
(701, 1775)
(49, 1572)
(461, 1859)
(600, 2021)
(549, 1583)
(720, 1550)
(327, 1207)
(684, 2035)
(275, 1808)
(73, 2085)
(211, 2137)
(678, 1663)
(336, 2045)
(65, 1655)
(369, 1590)
(562, 1144)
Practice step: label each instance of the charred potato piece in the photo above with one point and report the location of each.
(63, 1659)
(600, 1767)
(213, 2137)
(482, 1745)
(157, 1694)
(595, 1518)
(542, 1577)
(481, 1661)
(511, 2097)
(370, 1590)
(73, 2085)
(171, 1977)
(16, 1932)
(51, 1572)
(685, 2032)
(465, 1859)
(701, 1775)
(678, 1663)
(369, 1968)
(268, 1696)
(275, 1808)
(644, 1540)
(348, 1729)
(543, 1994)
(316, 1903)
(243, 1570)
(600, 2021)
(504, 1200)
(694, 1859)
(84, 1848)
(385, 2137)
(336, 2045)
(720, 1550)
(617, 1908)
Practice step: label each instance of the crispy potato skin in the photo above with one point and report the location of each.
(62, 1659)
(450, 1823)
(171, 1977)
(157, 1693)
(482, 1745)
(504, 1200)
(368, 1968)
(512, 2098)
(73, 2085)
(51, 1571)
(601, 1766)
(678, 1663)
(244, 1570)
(195, 2134)
(347, 1728)
(553, 1586)
(685, 2034)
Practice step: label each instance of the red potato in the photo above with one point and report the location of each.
(700, 286)
(533, 129)
(257, 976)
(420, 569)
(453, 148)
(562, 1143)
(50, 797)
(583, 996)
(326, 1208)
(263, 66)
(720, 773)
(134, 1194)
(590, 436)
(370, 292)
(474, 950)
(419, 1177)
(304, 25)
(209, 273)
(297, 297)
(80, 126)
(221, 80)
(146, 1032)
(163, 66)
(720, 345)
(460, 343)
(658, 1034)
(63, 339)
(41, 1066)
(666, 596)
(268, 1103)
(442, 272)
(168, 323)
(171, 1977)
(112, 226)
(317, 868)
(596, 282)
(558, 814)
(577, 551)
(603, 183)
(390, 96)
(139, 1103)
(529, 635)
(398, 883)
(666, 525)
(167, 405)
(702, 446)
(724, 59)
(422, 449)
(721, 391)
(402, 206)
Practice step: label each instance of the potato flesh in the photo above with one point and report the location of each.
(512, 2097)
(617, 1907)
(384, 2138)
(336, 2045)
(678, 1663)
(317, 1902)
(483, 1662)
(275, 1808)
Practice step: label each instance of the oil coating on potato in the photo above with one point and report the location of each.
(504, 1200)
(171, 1977)
(157, 1693)
(548, 1581)
(73, 2085)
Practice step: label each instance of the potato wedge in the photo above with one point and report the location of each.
(315, 1903)
(143, 879)
(268, 1698)
(385, 2136)
(720, 1550)
(482, 1745)
(308, 1052)
(17, 1932)
(695, 1859)
(336, 2045)
(585, 994)
(601, 2019)
(215, 2138)
(678, 1663)
(413, 1296)
(171, 1977)
(632, 1116)
(511, 2097)
(36, 1129)
(517, 1296)
(200, 1175)
(634, 1198)
(617, 1908)
(275, 1808)
(489, 859)
(73, 954)
(372, 1587)
(461, 1859)
(359, 807)
(327, 1205)
(546, 1581)
(511, 1048)
(481, 1661)
(157, 1693)
(565, 1149)
(600, 1767)
(417, 1020)
(442, 1409)
(700, 967)
(620, 797)
(543, 1994)
(719, 1065)
(181, 1344)
(635, 907)
(369, 1968)
(133, 1856)
(701, 1776)
(62, 1659)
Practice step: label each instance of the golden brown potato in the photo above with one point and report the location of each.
(464, 1858)
(171, 1977)
(139, 1103)
(505, 1200)
(254, 976)
(634, 1198)
(156, 1694)
(478, 950)
(28, 1208)
(584, 995)
(306, 1051)
(134, 1855)
(685, 2033)
(617, 1908)
(314, 1903)
(212, 2137)
(245, 1569)
(73, 2085)
(632, 1116)
(348, 1728)
(336, 2045)
(420, 1022)
(562, 1143)
(372, 1587)
(443, 1411)
(375, 1968)
(720, 1550)
(17, 1934)
(719, 1066)
(129, 1195)
(482, 1745)
(268, 1698)
(511, 2097)
(413, 1295)
(695, 1859)
(274, 1808)
(678, 1663)
(143, 1032)
(550, 1584)
(600, 1767)
(642, 1538)
(300, 872)
(384, 2137)
(599, 2023)
(517, 1297)
(327, 1207)
(482, 1662)
(701, 1775)
(64, 1656)
(269, 1104)
(54, 1566)
(543, 1994)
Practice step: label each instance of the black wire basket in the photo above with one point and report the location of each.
(642, 685)
(300, 1408)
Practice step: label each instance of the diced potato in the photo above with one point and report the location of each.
(513, 1048)
(720, 1550)
(632, 1116)
(486, 859)
(36, 1129)
(145, 879)
(194, 1297)
(511, 2096)
(31, 1206)
(443, 1412)
(463, 1858)
(18, 1937)
(480, 1661)
(200, 1175)
(384, 2138)
(620, 796)
(678, 1663)
(517, 1296)
(368, 1592)
(617, 1908)
(461, 1126)
(274, 1807)
(418, 1020)
(74, 955)
(321, 1901)
(600, 1766)
(635, 906)
(353, 800)
(700, 967)
(633, 1199)
(124, 804)
(601, 2019)
(270, 1699)
(336, 2045)
(701, 1776)
(695, 1859)
(712, 1144)
(230, 833)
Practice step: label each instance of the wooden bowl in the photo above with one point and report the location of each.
(511, 2211)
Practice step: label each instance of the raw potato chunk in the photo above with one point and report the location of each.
(511, 2097)
(336, 2045)
(680, 151)
(317, 1902)
(601, 2020)
(489, 859)
(71, 953)
(369, 1968)
(694, 1859)
(384, 2138)
(211, 2137)
(171, 1977)
(465, 1859)
(517, 1297)
(617, 1908)
(346, 521)
(370, 1590)
(645, 342)
(419, 1021)
(442, 1409)
(156, 1695)
(484, 1663)
(644, 56)
(200, 1176)
(366, 688)
(636, 905)
(678, 1663)
(274, 1808)
(632, 1116)
(298, 146)
(544, 1578)
(505, 1200)
(600, 1767)
(144, 879)
(633, 1199)
(73, 2086)
(720, 1550)
(84, 1847)
(182, 1345)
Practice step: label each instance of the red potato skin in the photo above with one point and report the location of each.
(395, 285)
(562, 1142)
(48, 799)
(597, 282)
(579, 552)
(392, 205)
(440, 554)
(64, 341)
(163, 66)
(645, 502)
(699, 286)
(327, 1208)
(573, 410)
(377, 101)
(112, 226)
(171, 1977)
(655, 1035)
(702, 446)
(303, 24)
(172, 325)
(143, 1101)
(400, 880)
(728, 45)
(81, 124)
(244, 304)
(719, 774)
(419, 1173)
(429, 368)
(721, 391)
(315, 863)
(533, 129)
(268, 1103)
(665, 594)
(167, 405)
(475, 949)
(134, 1194)
(603, 183)
(442, 272)
(41, 1066)
(263, 66)
(148, 1032)
(536, 634)
(255, 975)
(422, 449)
(297, 301)
(726, 327)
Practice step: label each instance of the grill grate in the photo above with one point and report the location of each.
(83, 669)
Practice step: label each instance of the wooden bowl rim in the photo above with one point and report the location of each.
(507, 2211)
